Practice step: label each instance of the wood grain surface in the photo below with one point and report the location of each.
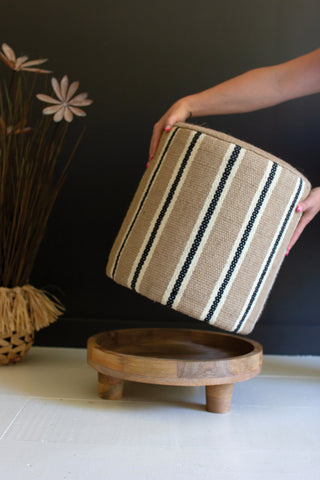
(174, 357)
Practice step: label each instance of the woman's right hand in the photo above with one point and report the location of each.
(178, 112)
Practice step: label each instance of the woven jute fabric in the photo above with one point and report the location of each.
(208, 227)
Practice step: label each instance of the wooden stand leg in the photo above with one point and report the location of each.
(110, 388)
(218, 398)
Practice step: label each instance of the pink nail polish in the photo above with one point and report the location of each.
(167, 129)
(288, 251)
(151, 157)
(147, 165)
(299, 208)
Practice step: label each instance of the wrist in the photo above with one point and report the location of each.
(192, 105)
(188, 104)
(183, 108)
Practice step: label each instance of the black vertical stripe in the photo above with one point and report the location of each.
(143, 201)
(268, 263)
(204, 224)
(242, 243)
(164, 209)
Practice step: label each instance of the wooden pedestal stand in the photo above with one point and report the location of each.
(168, 356)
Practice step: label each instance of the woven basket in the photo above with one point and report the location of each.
(23, 310)
(209, 227)
(14, 347)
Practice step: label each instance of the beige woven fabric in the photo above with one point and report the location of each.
(208, 227)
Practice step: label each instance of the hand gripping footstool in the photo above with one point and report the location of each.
(205, 234)
(209, 227)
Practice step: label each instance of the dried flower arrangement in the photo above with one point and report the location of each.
(31, 176)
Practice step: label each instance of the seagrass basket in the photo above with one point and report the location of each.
(14, 347)
(23, 310)
(208, 227)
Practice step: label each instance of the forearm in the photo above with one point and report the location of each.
(253, 90)
(259, 88)
(250, 91)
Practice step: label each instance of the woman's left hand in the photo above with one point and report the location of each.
(309, 208)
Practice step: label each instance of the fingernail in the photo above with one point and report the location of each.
(147, 165)
(299, 208)
(151, 157)
(167, 129)
(288, 251)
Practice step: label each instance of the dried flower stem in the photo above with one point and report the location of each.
(30, 181)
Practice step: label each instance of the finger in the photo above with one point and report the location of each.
(155, 139)
(305, 219)
(157, 131)
(305, 204)
(295, 236)
(309, 202)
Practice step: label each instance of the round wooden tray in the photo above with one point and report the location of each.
(169, 356)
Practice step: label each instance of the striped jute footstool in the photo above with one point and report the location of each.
(208, 227)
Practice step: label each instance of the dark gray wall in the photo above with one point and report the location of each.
(135, 58)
